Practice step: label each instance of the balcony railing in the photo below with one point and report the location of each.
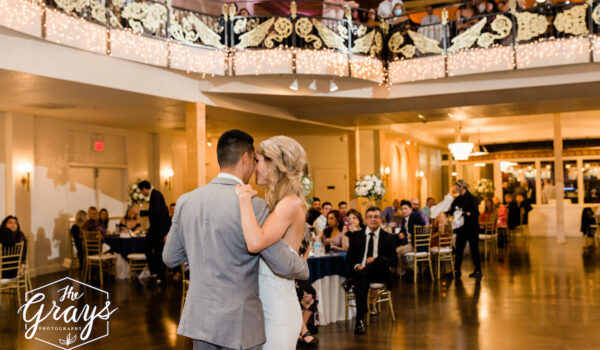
(158, 33)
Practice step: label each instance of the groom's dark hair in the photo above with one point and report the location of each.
(232, 146)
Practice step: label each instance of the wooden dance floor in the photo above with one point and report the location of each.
(535, 295)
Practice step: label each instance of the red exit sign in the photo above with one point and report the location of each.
(98, 146)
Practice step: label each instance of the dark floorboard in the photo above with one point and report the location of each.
(536, 294)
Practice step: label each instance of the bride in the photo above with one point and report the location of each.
(280, 163)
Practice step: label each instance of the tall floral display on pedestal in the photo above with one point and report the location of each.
(484, 189)
(370, 187)
(308, 187)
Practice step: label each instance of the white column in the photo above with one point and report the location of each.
(559, 176)
(195, 128)
(538, 182)
(580, 188)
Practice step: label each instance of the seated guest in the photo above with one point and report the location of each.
(80, 219)
(10, 235)
(489, 215)
(388, 213)
(518, 211)
(400, 18)
(333, 235)
(93, 222)
(343, 209)
(353, 223)
(525, 206)
(171, 210)
(307, 296)
(430, 202)
(370, 257)
(314, 211)
(104, 219)
(131, 221)
(372, 18)
(588, 222)
(415, 206)
(407, 230)
(243, 12)
(502, 212)
(321, 222)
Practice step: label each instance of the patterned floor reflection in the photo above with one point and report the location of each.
(535, 294)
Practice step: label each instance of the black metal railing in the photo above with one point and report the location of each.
(292, 26)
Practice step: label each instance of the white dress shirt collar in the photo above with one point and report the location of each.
(375, 244)
(230, 177)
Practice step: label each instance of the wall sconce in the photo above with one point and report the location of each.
(168, 174)
(25, 169)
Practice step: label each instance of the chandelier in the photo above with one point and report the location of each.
(460, 150)
(479, 149)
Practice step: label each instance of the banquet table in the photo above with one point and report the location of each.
(124, 246)
(327, 272)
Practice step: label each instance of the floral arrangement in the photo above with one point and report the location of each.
(370, 186)
(484, 188)
(135, 195)
(308, 187)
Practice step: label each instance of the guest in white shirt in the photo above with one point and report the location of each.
(386, 8)
(321, 222)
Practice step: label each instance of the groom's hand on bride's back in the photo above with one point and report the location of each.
(243, 190)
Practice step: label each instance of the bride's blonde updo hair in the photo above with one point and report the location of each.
(286, 162)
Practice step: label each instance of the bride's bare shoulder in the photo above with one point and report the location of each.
(290, 204)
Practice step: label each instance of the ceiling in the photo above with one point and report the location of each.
(53, 98)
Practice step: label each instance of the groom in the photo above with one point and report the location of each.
(222, 308)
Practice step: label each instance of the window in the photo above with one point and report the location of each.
(519, 178)
(547, 178)
(570, 169)
(591, 181)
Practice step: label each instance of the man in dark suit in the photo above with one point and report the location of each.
(370, 256)
(407, 230)
(160, 223)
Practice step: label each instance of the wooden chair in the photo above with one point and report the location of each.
(137, 262)
(10, 263)
(92, 245)
(381, 294)
(186, 285)
(443, 250)
(421, 253)
(489, 235)
(349, 297)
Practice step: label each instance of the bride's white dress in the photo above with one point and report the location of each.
(283, 317)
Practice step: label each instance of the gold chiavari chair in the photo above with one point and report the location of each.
(350, 302)
(137, 262)
(10, 264)
(185, 284)
(444, 248)
(489, 235)
(380, 294)
(94, 257)
(421, 253)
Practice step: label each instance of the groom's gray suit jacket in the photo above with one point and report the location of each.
(222, 305)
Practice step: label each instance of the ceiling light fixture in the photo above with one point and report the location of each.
(479, 149)
(294, 85)
(332, 86)
(313, 85)
(460, 150)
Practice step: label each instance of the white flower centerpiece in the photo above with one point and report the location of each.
(135, 195)
(484, 189)
(370, 187)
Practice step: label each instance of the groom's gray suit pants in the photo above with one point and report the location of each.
(201, 345)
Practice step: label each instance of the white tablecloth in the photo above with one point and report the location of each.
(331, 298)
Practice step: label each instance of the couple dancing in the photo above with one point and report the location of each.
(242, 249)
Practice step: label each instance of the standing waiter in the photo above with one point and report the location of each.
(160, 223)
(469, 231)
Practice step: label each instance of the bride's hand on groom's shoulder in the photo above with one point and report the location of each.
(245, 190)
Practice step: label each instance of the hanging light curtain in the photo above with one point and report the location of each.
(460, 150)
